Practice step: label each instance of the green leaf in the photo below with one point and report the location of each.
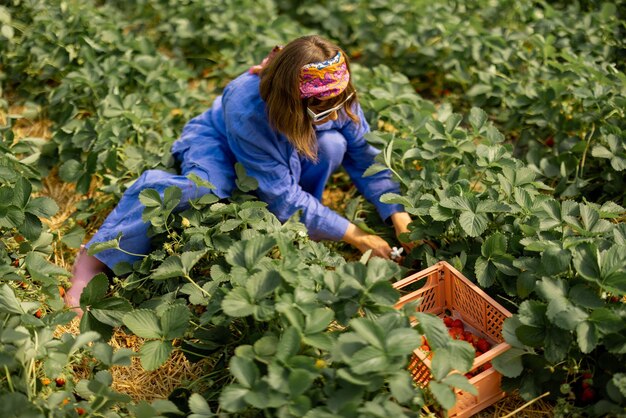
(586, 262)
(509, 363)
(175, 321)
(434, 329)
(248, 253)
(244, 370)
(402, 341)
(555, 260)
(477, 118)
(8, 302)
(474, 224)
(557, 344)
(486, 272)
(238, 303)
(144, 323)
(263, 284)
(587, 336)
(401, 386)
(11, 216)
(443, 394)
(289, 344)
(171, 267)
(190, 258)
(460, 382)
(199, 407)
(95, 291)
(110, 310)
(43, 207)
(244, 182)
(368, 360)
(155, 353)
(70, 171)
(150, 198)
(369, 331)
(300, 381)
(74, 237)
(232, 398)
(318, 320)
(495, 244)
(530, 335)
(458, 355)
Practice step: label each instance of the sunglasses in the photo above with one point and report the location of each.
(316, 117)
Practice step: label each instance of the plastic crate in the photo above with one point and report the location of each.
(446, 289)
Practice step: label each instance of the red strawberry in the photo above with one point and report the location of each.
(38, 313)
(587, 375)
(549, 141)
(448, 321)
(483, 345)
(59, 381)
(456, 333)
(487, 366)
(588, 395)
(457, 323)
(468, 336)
(425, 348)
(80, 411)
(478, 353)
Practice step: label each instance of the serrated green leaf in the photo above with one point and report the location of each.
(486, 272)
(509, 363)
(495, 244)
(144, 323)
(443, 394)
(232, 398)
(401, 386)
(586, 336)
(154, 354)
(244, 370)
(199, 406)
(248, 253)
(150, 198)
(477, 118)
(238, 303)
(171, 267)
(460, 382)
(95, 291)
(474, 224)
(8, 302)
(43, 207)
(175, 321)
(289, 344)
(369, 331)
(318, 320)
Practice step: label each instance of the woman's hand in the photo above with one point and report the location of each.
(363, 241)
(401, 221)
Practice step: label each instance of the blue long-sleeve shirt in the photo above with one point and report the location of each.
(236, 129)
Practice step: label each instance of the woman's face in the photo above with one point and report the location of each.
(319, 106)
(323, 109)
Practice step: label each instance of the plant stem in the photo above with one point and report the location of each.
(197, 285)
(9, 380)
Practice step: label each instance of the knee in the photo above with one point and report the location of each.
(332, 146)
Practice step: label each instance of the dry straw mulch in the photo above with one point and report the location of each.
(136, 382)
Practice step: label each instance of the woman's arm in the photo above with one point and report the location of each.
(363, 241)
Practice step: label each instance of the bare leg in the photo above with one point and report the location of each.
(85, 268)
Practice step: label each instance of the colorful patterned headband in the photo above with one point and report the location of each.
(324, 79)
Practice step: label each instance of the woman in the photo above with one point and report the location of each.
(291, 122)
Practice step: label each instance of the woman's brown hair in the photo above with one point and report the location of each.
(280, 89)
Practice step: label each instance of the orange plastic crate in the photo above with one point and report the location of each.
(446, 289)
